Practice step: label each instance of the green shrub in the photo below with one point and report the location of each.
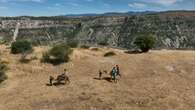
(108, 54)
(21, 47)
(73, 44)
(23, 58)
(94, 49)
(3, 68)
(45, 57)
(34, 58)
(103, 43)
(57, 54)
(2, 41)
(84, 46)
(60, 52)
(145, 42)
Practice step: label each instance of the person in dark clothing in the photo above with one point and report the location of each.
(118, 70)
(65, 71)
(100, 74)
(51, 78)
(65, 76)
(114, 74)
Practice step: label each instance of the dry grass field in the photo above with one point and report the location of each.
(158, 80)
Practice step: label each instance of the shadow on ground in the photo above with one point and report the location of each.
(133, 52)
(55, 84)
(104, 78)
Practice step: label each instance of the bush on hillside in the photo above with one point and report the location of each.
(3, 68)
(22, 46)
(108, 54)
(60, 52)
(72, 44)
(84, 46)
(2, 41)
(94, 49)
(34, 57)
(103, 43)
(57, 54)
(145, 42)
(45, 57)
(23, 58)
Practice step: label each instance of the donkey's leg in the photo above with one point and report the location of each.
(68, 79)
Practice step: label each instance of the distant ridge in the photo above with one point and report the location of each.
(173, 29)
(110, 14)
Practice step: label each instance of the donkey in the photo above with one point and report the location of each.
(62, 77)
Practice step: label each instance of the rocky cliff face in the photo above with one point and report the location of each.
(172, 29)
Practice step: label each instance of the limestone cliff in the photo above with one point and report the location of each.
(174, 29)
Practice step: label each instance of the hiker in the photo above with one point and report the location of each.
(51, 78)
(66, 78)
(65, 71)
(118, 70)
(113, 74)
(100, 74)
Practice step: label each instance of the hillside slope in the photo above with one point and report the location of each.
(173, 29)
(158, 80)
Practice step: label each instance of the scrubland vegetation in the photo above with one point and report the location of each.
(145, 42)
(107, 54)
(156, 80)
(57, 54)
(22, 46)
(3, 69)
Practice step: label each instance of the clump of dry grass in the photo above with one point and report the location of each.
(108, 54)
(146, 84)
(3, 68)
(94, 49)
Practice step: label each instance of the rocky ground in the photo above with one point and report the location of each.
(158, 80)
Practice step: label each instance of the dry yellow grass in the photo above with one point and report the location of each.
(158, 80)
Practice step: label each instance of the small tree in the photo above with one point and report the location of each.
(145, 42)
(57, 54)
(72, 43)
(3, 68)
(22, 46)
(45, 57)
(60, 52)
(84, 46)
(108, 54)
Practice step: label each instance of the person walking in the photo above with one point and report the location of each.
(65, 71)
(118, 70)
(65, 76)
(51, 78)
(114, 73)
(100, 74)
